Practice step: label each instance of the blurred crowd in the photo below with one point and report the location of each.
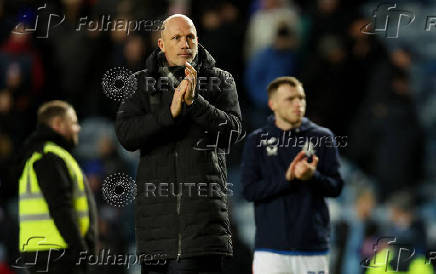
(380, 95)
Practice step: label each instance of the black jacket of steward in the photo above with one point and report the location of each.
(181, 205)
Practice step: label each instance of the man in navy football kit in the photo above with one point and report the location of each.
(289, 166)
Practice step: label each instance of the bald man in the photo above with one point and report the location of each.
(183, 116)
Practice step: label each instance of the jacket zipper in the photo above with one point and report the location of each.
(179, 243)
(179, 235)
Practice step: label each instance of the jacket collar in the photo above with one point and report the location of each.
(44, 134)
(35, 141)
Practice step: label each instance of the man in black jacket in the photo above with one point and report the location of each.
(289, 167)
(56, 206)
(182, 117)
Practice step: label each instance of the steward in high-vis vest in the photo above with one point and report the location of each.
(57, 212)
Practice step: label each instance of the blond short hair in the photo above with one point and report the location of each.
(49, 110)
(274, 85)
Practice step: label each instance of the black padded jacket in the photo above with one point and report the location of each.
(181, 207)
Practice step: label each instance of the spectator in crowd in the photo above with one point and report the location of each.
(222, 22)
(21, 66)
(406, 235)
(21, 72)
(264, 24)
(276, 60)
(332, 58)
(325, 73)
(326, 18)
(384, 146)
(72, 53)
(355, 237)
(406, 224)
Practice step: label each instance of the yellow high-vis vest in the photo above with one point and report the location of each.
(37, 229)
(418, 265)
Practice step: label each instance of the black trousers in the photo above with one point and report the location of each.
(197, 265)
